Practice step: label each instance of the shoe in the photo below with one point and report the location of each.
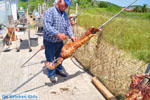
(61, 74)
(52, 78)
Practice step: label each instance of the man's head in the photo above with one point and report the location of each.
(62, 5)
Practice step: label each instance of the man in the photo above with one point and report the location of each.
(56, 29)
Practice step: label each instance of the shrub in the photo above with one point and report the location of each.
(103, 4)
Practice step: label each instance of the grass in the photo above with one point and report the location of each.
(129, 31)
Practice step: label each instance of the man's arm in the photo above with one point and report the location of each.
(69, 30)
(70, 33)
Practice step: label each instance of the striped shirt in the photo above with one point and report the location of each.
(55, 22)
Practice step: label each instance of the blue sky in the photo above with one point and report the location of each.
(127, 2)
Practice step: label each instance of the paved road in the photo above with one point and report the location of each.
(76, 86)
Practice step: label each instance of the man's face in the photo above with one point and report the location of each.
(62, 5)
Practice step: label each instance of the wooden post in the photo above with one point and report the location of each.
(103, 89)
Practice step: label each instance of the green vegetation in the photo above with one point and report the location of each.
(23, 4)
(32, 4)
(129, 31)
(113, 8)
(143, 8)
(102, 4)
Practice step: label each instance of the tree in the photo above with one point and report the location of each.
(50, 2)
(136, 9)
(144, 8)
(78, 1)
(89, 0)
(83, 3)
(103, 4)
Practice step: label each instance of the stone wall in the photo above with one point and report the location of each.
(111, 65)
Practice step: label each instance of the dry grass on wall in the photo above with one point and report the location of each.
(111, 65)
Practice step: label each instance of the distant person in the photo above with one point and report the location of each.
(21, 12)
(56, 28)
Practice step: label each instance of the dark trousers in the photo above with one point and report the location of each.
(52, 51)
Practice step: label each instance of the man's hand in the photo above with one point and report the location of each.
(101, 30)
(73, 38)
(42, 47)
(49, 65)
(61, 36)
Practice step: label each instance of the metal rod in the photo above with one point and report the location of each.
(29, 79)
(146, 72)
(31, 58)
(116, 15)
(147, 69)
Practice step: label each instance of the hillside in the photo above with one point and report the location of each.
(129, 31)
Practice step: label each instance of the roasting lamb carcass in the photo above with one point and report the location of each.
(139, 90)
(68, 49)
